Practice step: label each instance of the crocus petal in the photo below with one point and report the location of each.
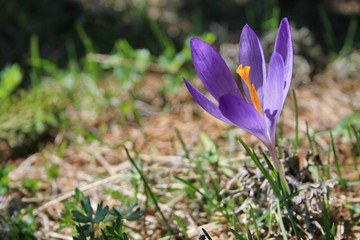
(273, 92)
(212, 70)
(206, 103)
(245, 116)
(251, 54)
(284, 46)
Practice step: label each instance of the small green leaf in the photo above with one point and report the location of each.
(110, 219)
(53, 172)
(79, 196)
(100, 213)
(116, 212)
(10, 78)
(87, 207)
(79, 217)
(125, 108)
(129, 208)
(88, 230)
(31, 185)
(135, 215)
(111, 230)
(4, 178)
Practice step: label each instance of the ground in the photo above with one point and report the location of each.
(100, 167)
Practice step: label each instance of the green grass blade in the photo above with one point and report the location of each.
(350, 35)
(296, 122)
(262, 169)
(327, 168)
(183, 145)
(246, 219)
(222, 209)
(353, 208)
(309, 137)
(181, 225)
(357, 138)
(86, 41)
(353, 147)
(187, 183)
(208, 198)
(287, 206)
(329, 35)
(267, 213)
(283, 230)
(166, 43)
(342, 181)
(315, 143)
(202, 178)
(332, 232)
(254, 221)
(326, 221)
(249, 234)
(233, 216)
(353, 182)
(271, 167)
(136, 112)
(148, 188)
(35, 60)
(90, 66)
(238, 236)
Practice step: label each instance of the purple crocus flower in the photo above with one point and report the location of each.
(265, 91)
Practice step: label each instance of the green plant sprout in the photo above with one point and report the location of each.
(105, 223)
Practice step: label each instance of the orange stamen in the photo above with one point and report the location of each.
(244, 74)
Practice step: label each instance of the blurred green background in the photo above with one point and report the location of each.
(51, 49)
(142, 23)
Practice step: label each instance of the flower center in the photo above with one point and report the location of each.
(244, 74)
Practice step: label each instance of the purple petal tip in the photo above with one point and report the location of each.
(246, 28)
(194, 42)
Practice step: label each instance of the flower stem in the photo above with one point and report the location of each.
(278, 167)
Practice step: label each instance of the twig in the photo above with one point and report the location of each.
(82, 189)
(24, 166)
